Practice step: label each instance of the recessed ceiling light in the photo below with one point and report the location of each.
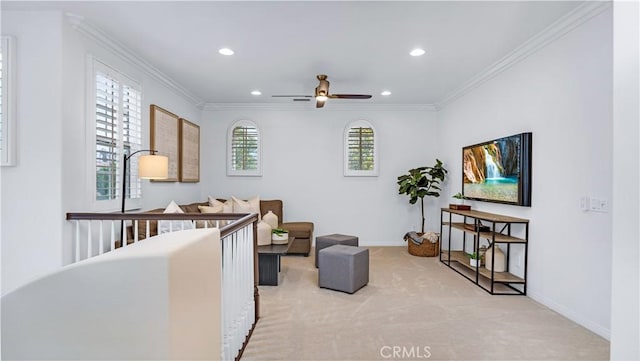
(225, 51)
(417, 52)
(385, 93)
(256, 92)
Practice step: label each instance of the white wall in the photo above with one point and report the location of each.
(563, 94)
(625, 322)
(52, 116)
(31, 199)
(303, 165)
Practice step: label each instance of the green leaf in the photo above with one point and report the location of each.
(421, 182)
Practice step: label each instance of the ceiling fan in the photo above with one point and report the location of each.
(322, 94)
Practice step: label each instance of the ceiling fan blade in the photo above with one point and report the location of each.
(350, 96)
(292, 96)
(301, 100)
(320, 103)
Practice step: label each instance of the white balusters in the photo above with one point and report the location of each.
(101, 238)
(226, 311)
(77, 241)
(89, 240)
(113, 235)
(238, 308)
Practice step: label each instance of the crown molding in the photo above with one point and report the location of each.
(81, 25)
(570, 21)
(311, 107)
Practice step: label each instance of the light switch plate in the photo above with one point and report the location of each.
(599, 205)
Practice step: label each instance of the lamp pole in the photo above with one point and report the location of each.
(124, 189)
(124, 172)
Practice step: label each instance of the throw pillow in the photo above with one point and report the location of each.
(211, 209)
(227, 207)
(173, 207)
(169, 226)
(250, 206)
(211, 223)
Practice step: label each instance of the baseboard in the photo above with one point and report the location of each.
(566, 312)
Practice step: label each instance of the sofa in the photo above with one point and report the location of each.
(301, 231)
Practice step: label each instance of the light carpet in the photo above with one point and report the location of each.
(413, 308)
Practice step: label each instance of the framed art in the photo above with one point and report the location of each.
(165, 128)
(189, 151)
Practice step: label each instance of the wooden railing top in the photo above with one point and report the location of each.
(155, 216)
(240, 220)
(246, 220)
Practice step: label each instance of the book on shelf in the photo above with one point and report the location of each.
(477, 227)
(460, 207)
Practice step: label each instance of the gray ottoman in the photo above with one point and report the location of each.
(343, 268)
(332, 239)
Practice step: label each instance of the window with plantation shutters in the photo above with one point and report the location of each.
(360, 149)
(7, 119)
(118, 131)
(243, 151)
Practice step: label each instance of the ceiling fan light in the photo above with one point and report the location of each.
(321, 98)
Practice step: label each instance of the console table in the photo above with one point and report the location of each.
(269, 262)
(499, 232)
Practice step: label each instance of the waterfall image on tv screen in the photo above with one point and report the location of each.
(498, 170)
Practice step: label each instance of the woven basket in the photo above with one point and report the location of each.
(426, 249)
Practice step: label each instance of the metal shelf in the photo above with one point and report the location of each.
(496, 283)
(463, 259)
(499, 237)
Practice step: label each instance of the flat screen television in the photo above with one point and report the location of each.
(498, 170)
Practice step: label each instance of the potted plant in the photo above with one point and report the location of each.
(279, 236)
(459, 203)
(421, 182)
(460, 197)
(474, 259)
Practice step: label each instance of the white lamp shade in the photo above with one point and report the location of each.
(153, 167)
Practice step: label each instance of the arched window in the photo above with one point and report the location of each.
(244, 149)
(360, 149)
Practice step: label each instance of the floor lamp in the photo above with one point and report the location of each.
(150, 166)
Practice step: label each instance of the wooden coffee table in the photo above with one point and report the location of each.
(269, 262)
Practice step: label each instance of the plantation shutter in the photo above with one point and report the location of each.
(118, 126)
(132, 137)
(107, 152)
(7, 102)
(361, 148)
(2, 103)
(244, 148)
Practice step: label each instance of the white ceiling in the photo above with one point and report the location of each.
(281, 46)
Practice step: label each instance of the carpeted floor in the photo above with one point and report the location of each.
(412, 309)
